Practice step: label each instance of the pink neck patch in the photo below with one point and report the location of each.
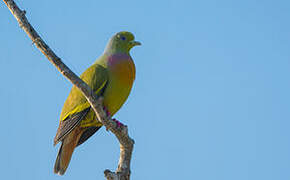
(117, 58)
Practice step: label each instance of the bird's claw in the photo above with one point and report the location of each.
(119, 124)
(108, 114)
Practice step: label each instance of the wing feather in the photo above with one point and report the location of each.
(76, 106)
(69, 124)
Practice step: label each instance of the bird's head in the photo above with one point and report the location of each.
(121, 42)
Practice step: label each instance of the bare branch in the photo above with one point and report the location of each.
(126, 143)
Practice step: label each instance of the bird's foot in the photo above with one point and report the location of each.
(119, 124)
(107, 111)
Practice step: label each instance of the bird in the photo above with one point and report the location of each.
(111, 76)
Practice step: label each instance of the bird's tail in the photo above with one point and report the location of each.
(65, 152)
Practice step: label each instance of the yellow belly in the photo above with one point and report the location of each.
(119, 86)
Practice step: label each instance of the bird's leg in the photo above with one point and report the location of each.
(108, 114)
(119, 124)
(107, 111)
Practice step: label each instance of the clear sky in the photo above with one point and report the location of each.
(210, 101)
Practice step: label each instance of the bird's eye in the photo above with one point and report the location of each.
(123, 38)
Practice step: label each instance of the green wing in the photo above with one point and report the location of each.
(76, 106)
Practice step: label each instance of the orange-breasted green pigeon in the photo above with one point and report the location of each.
(112, 77)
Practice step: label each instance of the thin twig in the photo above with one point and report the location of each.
(126, 143)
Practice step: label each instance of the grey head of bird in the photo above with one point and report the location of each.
(121, 42)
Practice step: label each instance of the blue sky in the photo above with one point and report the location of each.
(210, 101)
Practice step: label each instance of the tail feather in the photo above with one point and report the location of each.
(57, 166)
(65, 151)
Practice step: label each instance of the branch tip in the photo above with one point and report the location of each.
(110, 175)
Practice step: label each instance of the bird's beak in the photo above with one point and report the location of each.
(135, 43)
